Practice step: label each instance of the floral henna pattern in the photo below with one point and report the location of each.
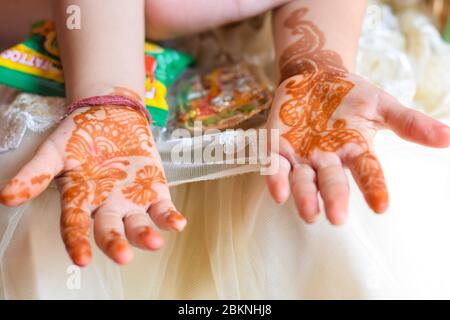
(316, 88)
(103, 139)
(40, 179)
(99, 153)
(24, 192)
(141, 191)
(317, 94)
(75, 225)
(306, 55)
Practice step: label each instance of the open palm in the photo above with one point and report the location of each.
(106, 167)
(327, 119)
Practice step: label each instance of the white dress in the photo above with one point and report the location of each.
(240, 244)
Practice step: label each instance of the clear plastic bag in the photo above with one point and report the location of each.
(226, 97)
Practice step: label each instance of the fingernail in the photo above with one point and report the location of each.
(312, 219)
(279, 200)
(337, 222)
(311, 213)
(7, 199)
(151, 239)
(339, 218)
(381, 207)
(378, 201)
(176, 220)
(81, 255)
(124, 256)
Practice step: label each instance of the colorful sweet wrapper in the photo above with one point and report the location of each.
(34, 66)
(230, 96)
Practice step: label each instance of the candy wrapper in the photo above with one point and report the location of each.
(446, 32)
(231, 96)
(34, 66)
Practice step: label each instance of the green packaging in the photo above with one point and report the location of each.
(34, 66)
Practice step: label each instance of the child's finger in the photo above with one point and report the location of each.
(368, 174)
(304, 191)
(278, 183)
(140, 233)
(75, 225)
(334, 190)
(413, 125)
(109, 235)
(165, 216)
(34, 177)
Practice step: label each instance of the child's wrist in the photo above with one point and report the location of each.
(111, 100)
(85, 90)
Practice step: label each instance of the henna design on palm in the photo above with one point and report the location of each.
(313, 99)
(106, 166)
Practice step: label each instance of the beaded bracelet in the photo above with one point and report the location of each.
(117, 100)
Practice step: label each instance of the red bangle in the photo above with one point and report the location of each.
(111, 100)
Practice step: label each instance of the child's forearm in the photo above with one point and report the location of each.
(107, 51)
(326, 25)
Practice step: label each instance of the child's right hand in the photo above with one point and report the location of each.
(106, 167)
(327, 121)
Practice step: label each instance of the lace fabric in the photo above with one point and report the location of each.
(402, 51)
(28, 112)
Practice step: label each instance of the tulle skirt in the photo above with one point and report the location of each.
(240, 244)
